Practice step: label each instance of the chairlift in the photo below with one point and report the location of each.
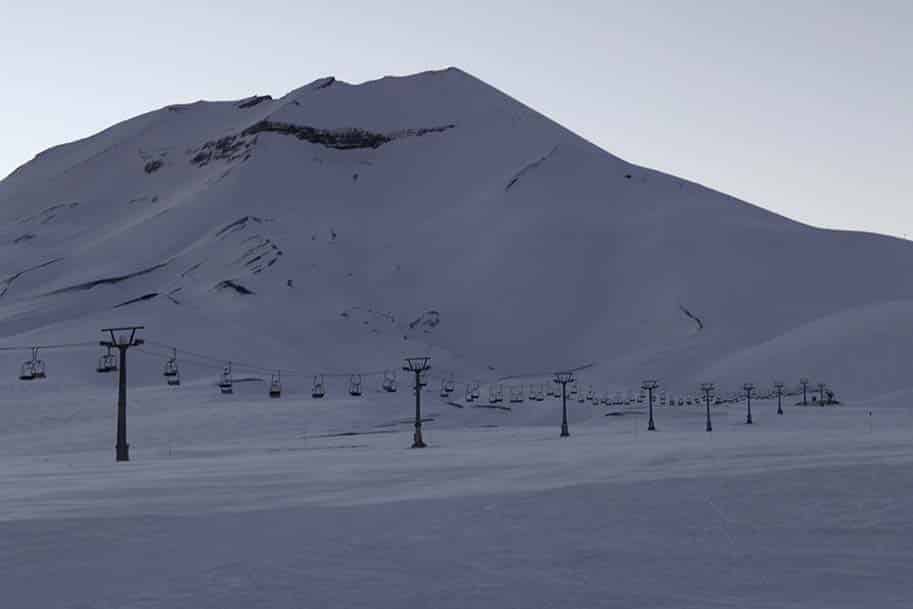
(225, 383)
(389, 384)
(27, 372)
(318, 390)
(476, 392)
(468, 396)
(275, 385)
(492, 395)
(444, 393)
(37, 365)
(32, 369)
(449, 384)
(106, 363)
(171, 366)
(516, 395)
(355, 385)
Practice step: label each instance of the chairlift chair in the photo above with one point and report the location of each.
(37, 365)
(27, 372)
(516, 395)
(449, 384)
(275, 385)
(389, 384)
(175, 379)
(476, 390)
(171, 366)
(468, 396)
(225, 383)
(106, 363)
(444, 393)
(318, 390)
(355, 385)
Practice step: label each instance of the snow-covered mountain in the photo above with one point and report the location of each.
(343, 226)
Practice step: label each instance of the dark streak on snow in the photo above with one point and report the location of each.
(148, 296)
(7, 283)
(427, 321)
(191, 269)
(340, 139)
(693, 317)
(239, 225)
(88, 285)
(233, 285)
(152, 166)
(529, 167)
(49, 213)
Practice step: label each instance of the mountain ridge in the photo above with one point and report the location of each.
(404, 195)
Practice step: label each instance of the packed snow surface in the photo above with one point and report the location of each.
(242, 501)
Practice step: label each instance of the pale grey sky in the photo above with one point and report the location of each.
(802, 107)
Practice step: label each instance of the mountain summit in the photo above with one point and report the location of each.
(341, 226)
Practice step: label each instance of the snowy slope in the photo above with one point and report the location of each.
(343, 226)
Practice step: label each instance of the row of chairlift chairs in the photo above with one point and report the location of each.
(107, 362)
(538, 392)
(318, 388)
(34, 368)
(227, 384)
